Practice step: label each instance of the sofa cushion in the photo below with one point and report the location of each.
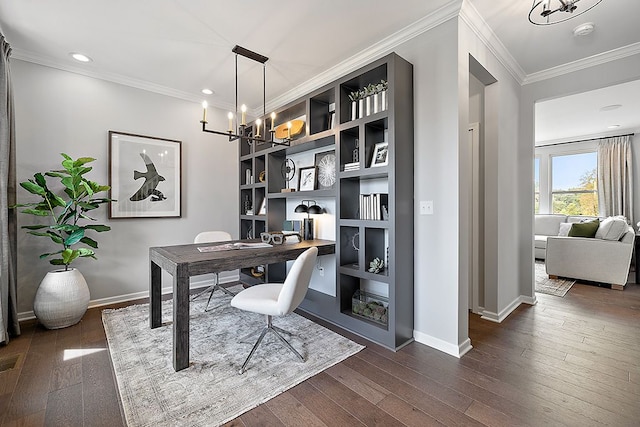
(564, 229)
(612, 228)
(548, 225)
(540, 241)
(584, 229)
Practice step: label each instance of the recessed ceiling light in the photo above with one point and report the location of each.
(610, 107)
(613, 126)
(207, 91)
(584, 29)
(80, 57)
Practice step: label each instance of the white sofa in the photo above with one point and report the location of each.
(545, 226)
(594, 259)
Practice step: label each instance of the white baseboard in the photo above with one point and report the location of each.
(446, 347)
(200, 282)
(504, 313)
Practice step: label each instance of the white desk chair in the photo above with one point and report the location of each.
(278, 299)
(209, 237)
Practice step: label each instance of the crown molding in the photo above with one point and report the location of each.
(470, 15)
(369, 54)
(581, 64)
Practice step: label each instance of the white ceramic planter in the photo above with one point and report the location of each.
(62, 299)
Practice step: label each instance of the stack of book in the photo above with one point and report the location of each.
(374, 206)
(351, 166)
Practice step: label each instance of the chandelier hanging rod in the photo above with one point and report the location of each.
(254, 56)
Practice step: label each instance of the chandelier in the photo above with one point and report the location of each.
(548, 12)
(240, 130)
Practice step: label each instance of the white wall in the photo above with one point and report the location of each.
(502, 293)
(58, 111)
(436, 247)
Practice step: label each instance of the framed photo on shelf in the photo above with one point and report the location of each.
(380, 155)
(326, 164)
(307, 179)
(145, 175)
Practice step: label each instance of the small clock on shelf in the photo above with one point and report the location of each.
(326, 164)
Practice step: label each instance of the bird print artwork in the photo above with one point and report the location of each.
(151, 180)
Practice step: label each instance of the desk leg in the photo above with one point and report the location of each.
(181, 318)
(155, 296)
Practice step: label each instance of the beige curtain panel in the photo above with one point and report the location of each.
(615, 177)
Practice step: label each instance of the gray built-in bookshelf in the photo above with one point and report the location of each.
(373, 196)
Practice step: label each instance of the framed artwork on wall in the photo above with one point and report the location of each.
(307, 179)
(380, 155)
(326, 164)
(145, 175)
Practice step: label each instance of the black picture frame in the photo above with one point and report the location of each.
(307, 178)
(145, 175)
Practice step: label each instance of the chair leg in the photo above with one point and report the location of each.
(275, 330)
(285, 342)
(212, 289)
(253, 350)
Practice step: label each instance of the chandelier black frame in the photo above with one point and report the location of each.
(544, 9)
(241, 133)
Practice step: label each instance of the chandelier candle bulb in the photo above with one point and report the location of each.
(204, 111)
(230, 116)
(258, 123)
(273, 121)
(244, 115)
(289, 124)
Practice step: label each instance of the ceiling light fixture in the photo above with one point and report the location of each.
(80, 57)
(543, 12)
(241, 130)
(613, 127)
(207, 91)
(610, 107)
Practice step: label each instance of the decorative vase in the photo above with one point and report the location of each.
(383, 100)
(62, 299)
(368, 104)
(376, 103)
(354, 110)
(360, 108)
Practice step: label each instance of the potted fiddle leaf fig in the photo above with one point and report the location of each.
(63, 295)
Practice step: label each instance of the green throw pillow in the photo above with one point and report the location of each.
(584, 229)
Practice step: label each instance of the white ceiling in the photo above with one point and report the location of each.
(179, 47)
(582, 115)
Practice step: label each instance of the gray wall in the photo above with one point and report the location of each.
(58, 111)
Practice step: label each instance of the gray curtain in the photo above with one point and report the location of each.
(8, 226)
(615, 177)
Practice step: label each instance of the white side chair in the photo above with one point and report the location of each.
(278, 299)
(209, 237)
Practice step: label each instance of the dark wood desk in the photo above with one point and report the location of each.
(184, 261)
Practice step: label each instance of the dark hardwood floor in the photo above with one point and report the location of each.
(566, 361)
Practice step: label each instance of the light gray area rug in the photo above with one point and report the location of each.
(544, 285)
(210, 392)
